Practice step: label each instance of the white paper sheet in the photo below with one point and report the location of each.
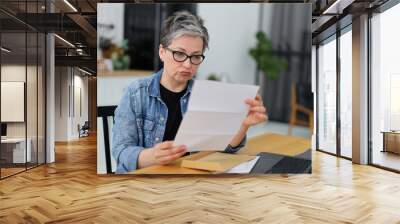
(244, 167)
(215, 113)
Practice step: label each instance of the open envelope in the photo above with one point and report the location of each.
(214, 115)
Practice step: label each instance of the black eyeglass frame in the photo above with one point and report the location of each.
(174, 52)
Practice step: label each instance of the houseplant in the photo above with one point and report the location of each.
(213, 77)
(267, 62)
(121, 60)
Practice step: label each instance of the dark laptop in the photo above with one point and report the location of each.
(280, 164)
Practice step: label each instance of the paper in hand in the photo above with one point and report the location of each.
(214, 115)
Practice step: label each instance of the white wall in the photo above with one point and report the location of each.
(110, 14)
(266, 23)
(14, 73)
(232, 29)
(17, 73)
(110, 88)
(61, 103)
(65, 97)
(80, 82)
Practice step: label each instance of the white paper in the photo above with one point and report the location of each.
(217, 96)
(244, 167)
(214, 115)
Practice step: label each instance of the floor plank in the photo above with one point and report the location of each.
(70, 191)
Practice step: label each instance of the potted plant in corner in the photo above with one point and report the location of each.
(121, 60)
(267, 62)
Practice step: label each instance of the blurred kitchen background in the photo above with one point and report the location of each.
(128, 40)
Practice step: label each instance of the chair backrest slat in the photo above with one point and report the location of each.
(104, 112)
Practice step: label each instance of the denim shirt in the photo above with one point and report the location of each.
(140, 121)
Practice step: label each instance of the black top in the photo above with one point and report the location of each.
(172, 100)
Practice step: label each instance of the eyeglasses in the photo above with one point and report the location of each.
(180, 56)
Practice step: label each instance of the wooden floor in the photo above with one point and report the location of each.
(10, 171)
(69, 191)
(5, 172)
(387, 159)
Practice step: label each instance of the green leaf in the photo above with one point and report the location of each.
(267, 62)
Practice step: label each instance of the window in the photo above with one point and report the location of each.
(22, 77)
(385, 88)
(346, 93)
(327, 96)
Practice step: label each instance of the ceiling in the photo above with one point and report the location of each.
(329, 15)
(73, 21)
(76, 20)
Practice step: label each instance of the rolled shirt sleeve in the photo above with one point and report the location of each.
(230, 149)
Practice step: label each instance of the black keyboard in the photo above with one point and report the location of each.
(279, 164)
(292, 165)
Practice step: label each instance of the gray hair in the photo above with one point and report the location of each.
(183, 23)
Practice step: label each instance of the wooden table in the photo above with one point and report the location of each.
(273, 143)
(391, 141)
(139, 73)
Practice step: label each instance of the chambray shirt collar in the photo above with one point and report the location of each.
(154, 85)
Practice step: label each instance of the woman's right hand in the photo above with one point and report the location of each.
(165, 152)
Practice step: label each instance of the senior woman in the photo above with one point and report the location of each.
(151, 109)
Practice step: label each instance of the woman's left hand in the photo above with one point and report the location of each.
(257, 112)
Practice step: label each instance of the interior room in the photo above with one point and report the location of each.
(57, 67)
(226, 61)
(385, 107)
(22, 99)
